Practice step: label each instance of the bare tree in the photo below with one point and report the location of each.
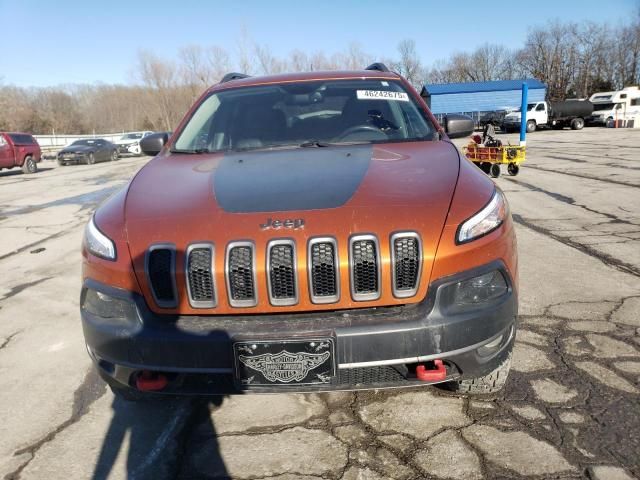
(572, 59)
(408, 64)
(164, 89)
(268, 62)
(245, 48)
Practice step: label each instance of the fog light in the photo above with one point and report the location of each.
(474, 292)
(480, 289)
(107, 307)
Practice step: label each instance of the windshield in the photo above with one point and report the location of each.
(529, 107)
(131, 136)
(305, 114)
(84, 142)
(603, 106)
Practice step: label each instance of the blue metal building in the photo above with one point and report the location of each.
(476, 98)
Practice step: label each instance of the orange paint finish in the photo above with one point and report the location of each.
(421, 187)
(406, 188)
(119, 273)
(472, 193)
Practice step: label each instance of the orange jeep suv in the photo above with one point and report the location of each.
(302, 232)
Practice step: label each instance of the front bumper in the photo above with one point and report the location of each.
(72, 157)
(375, 347)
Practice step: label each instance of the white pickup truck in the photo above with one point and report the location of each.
(569, 113)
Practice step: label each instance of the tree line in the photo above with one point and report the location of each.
(573, 60)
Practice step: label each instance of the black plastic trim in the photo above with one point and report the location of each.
(233, 76)
(378, 67)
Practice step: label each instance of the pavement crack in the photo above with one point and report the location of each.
(581, 175)
(571, 201)
(90, 390)
(592, 252)
(8, 339)
(23, 286)
(42, 240)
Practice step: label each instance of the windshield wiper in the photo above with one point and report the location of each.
(194, 151)
(315, 143)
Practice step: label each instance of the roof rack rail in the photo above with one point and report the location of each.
(233, 76)
(379, 67)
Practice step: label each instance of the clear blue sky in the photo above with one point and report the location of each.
(56, 42)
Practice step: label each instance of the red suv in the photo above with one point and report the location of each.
(19, 150)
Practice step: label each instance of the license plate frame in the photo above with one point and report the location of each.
(284, 362)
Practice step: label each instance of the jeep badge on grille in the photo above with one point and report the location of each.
(290, 223)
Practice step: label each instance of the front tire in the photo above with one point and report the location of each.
(494, 170)
(91, 159)
(114, 155)
(29, 165)
(513, 169)
(493, 382)
(531, 126)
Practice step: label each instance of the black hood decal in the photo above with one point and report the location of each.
(297, 179)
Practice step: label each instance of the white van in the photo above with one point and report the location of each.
(621, 105)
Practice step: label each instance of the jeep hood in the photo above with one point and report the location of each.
(337, 191)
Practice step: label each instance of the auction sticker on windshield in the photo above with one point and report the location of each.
(381, 95)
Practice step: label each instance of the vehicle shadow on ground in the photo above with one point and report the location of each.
(18, 172)
(155, 433)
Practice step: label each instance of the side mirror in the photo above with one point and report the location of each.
(152, 144)
(457, 125)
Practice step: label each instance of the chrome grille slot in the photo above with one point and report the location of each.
(282, 272)
(406, 263)
(324, 278)
(160, 267)
(199, 273)
(241, 274)
(364, 263)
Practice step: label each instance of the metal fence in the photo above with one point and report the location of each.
(474, 115)
(53, 142)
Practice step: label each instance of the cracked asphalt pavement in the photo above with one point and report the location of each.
(571, 407)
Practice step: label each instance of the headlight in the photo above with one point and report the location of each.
(472, 293)
(98, 243)
(485, 221)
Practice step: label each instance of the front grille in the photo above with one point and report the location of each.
(200, 276)
(281, 272)
(241, 274)
(323, 270)
(365, 268)
(406, 262)
(369, 376)
(160, 270)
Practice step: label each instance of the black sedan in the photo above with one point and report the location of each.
(88, 151)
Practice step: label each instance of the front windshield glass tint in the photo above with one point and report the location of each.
(529, 107)
(131, 136)
(84, 142)
(320, 112)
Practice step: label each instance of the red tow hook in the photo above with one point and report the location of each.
(437, 374)
(150, 381)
